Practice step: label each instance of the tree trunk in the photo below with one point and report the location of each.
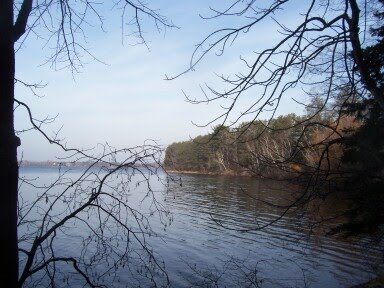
(357, 51)
(8, 151)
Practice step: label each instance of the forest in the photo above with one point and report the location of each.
(289, 142)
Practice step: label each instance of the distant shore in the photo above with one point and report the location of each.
(49, 163)
(226, 173)
(74, 164)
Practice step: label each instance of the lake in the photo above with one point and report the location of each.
(211, 237)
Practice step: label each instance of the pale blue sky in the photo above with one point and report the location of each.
(126, 100)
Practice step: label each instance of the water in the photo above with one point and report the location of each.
(214, 241)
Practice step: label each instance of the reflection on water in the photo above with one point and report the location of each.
(204, 245)
(284, 254)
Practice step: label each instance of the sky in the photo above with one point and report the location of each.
(124, 99)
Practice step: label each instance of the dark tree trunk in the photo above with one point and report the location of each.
(357, 52)
(8, 151)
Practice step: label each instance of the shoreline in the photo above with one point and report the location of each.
(193, 172)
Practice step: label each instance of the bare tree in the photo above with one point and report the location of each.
(62, 25)
(317, 51)
(325, 48)
(92, 211)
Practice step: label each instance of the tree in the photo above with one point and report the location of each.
(63, 23)
(92, 211)
(334, 47)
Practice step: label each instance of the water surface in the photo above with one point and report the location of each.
(213, 239)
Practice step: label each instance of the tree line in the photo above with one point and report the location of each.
(290, 142)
